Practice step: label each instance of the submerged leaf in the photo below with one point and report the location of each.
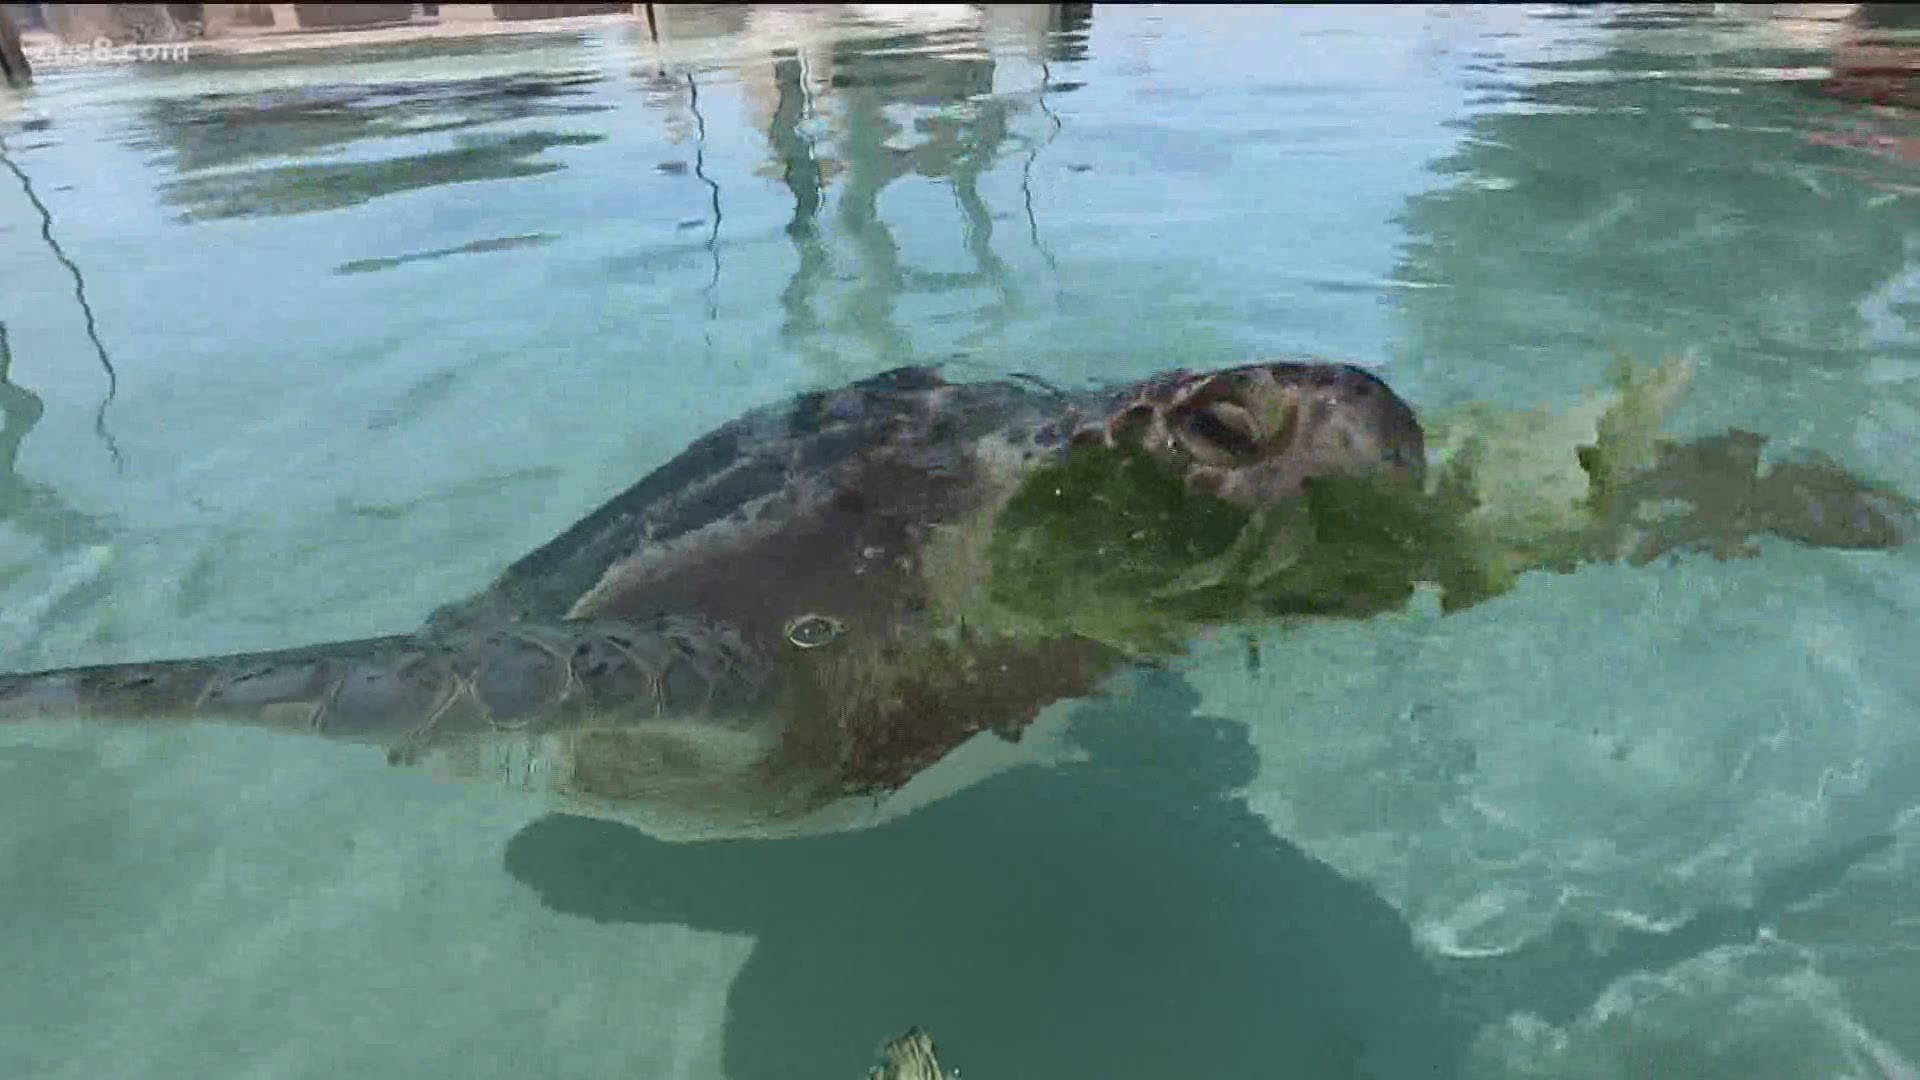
(1538, 482)
(1628, 437)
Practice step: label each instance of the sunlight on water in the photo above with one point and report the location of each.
(299, 347)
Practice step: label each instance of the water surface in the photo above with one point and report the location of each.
(306, 346)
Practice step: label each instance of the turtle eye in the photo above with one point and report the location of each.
(1225, 426)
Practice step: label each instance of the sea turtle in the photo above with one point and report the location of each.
(821, 600)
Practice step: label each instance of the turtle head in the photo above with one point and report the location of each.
(1203, 498)
(1260, 433)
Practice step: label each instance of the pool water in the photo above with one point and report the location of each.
(305, 345)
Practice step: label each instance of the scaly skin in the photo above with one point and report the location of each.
(407, 692)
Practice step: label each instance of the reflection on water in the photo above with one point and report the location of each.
(212, 136)
(303, 189)
(34, 512)
(843, 119)
(503, 243)
(92, 327)
(954, 128)
(677, 96)
(1571, 222)
(34, 508)
(861, 115)
(225, 130)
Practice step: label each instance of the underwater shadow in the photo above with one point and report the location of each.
(1125, 916)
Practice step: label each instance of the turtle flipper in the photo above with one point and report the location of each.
(409, 692)
(286, 690)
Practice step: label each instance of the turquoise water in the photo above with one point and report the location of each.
(370, 325)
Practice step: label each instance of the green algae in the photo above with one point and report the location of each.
(1112, 545)
(1084, 545)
